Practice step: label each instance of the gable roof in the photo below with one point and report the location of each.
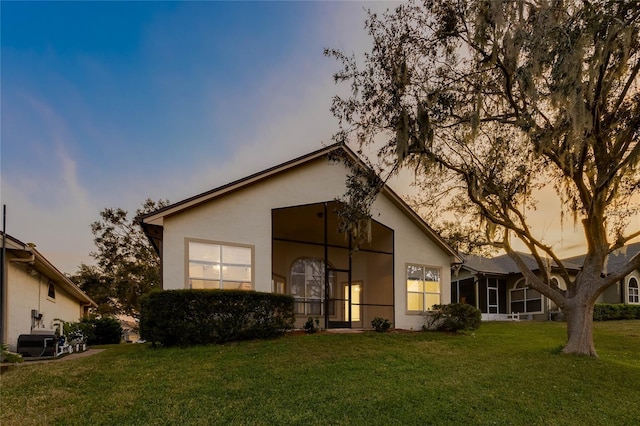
(499, 265)
(46, 268)
(616, 259)
(503, 265)
(152, 222)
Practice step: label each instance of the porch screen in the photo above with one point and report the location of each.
(219, 266)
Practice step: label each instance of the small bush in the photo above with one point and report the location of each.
(93, 330)
(198, 317)
(381, 325)
(454, 317)
(613, 312)
(10, 357)
(311, 326)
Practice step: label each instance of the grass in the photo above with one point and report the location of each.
(504, 373)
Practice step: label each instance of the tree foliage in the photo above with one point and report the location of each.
(489, 102)
(126, 264)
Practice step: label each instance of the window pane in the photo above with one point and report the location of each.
(314, 268)
(231, 285)
(51, 292)
(415, 272)
(297, 285)
(534, 305)
(314, 288)
(432, 286)
(298, 267)
(204, 270)
(236, 273)
(517, 295)
(299, 306)
(517, 307)
(432, 299)
(315, 307)
(204, 252)
(431, 274)
(415, 302)
(236, 255)
(414, 285)
(533, 294)
(204, 284)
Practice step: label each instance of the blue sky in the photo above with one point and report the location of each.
(107, 103)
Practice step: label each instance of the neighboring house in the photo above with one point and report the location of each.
(36, 295)
(277, 231)
(497, 287)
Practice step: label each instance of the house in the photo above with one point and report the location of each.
(277, 231)
(35, 294)
(497, 287)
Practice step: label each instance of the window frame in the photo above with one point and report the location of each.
(220, 280)
(424, 291)
(304, 300)
(636, 291)
(526, 299)
(51, 288)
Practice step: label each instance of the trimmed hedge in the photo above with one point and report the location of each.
(200, 317)
(611, 312)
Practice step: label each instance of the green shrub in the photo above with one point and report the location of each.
(454, 317)
(10, 357)
(101, 331)
(381, 325)
(618, 311)
(311, 326)
(93, 330)
(199, 317)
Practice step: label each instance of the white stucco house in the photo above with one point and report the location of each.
(277, 231)
(35, 294)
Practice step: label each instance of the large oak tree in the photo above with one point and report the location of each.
(488, 102)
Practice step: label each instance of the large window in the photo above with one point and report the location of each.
(423, 288)
(525, 299)
(634, 296)
(307, 285)
(220, 266)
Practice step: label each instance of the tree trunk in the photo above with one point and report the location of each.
(580, 330)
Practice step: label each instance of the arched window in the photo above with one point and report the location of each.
(634, 296)
(51, 291)
(525, 299)
(307, 285)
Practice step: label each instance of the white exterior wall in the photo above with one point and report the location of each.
(411, 246)
(26, 292)
(244, 217)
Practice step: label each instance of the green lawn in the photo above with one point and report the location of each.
(504, 373)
